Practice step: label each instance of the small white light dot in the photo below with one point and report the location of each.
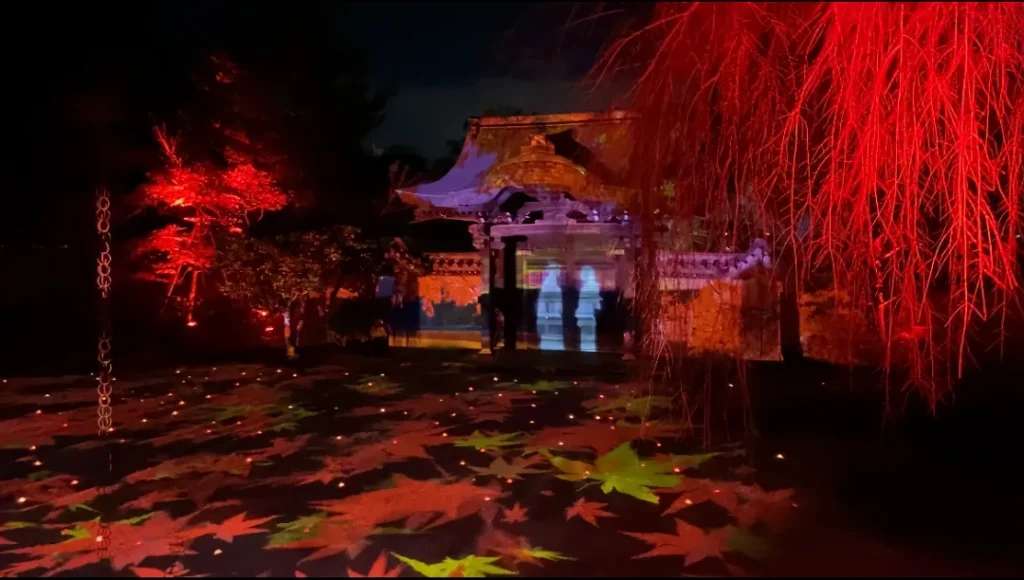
(779, 456)
(341, 484)
(22, 499)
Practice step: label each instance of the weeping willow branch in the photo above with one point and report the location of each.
(880, 143)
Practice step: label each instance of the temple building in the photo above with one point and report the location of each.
(543, 200)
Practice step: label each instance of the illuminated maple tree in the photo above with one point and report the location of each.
(211, 187)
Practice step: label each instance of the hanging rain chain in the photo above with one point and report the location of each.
(104, 420)
(104, 389)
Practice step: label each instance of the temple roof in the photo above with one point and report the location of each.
(585, 155)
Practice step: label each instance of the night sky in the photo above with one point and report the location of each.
(453, 60)
(88, 81)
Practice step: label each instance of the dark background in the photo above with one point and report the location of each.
(86, 83)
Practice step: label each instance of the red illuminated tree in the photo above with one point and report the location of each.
(880, 144)
(211, 189)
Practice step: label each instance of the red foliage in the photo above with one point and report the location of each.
(878, 144)
(212, 198)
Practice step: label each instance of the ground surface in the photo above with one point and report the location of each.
(435, 465)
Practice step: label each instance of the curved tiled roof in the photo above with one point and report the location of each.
(600, 144)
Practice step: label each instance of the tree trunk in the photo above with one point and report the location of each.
(789, 311)
(286, 328)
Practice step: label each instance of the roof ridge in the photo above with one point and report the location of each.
(554, 118)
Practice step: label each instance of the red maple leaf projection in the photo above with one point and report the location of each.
(150, 499)
(230, 528)
(515, 514)
(379, 569)
(696, 491)
(600, 436)
(588, 511)
(130, 544)
(689, 541)
(423, 504)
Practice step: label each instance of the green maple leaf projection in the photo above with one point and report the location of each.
(375, 385)
(233, 412)
(542, 554)
(620, 470)
(473, 566)
(18, 525)
(632, 406)
(79, 531)
(287, 417)
(746, 543)
(479, 440)
(544, 386)
(281, 417)
(505, 470)
(300, 529)
(688, 461)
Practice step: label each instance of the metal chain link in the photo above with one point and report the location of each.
(104, 420)
(104, 388)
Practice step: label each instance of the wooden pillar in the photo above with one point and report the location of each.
(490, 320)
(511, 302)
(488, 274)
